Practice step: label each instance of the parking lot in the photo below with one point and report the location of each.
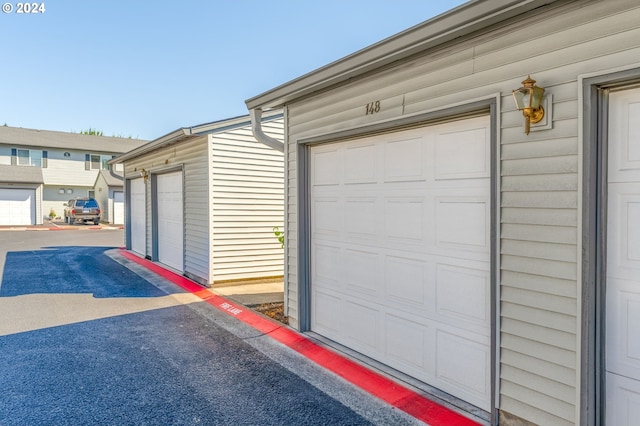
(89, 337)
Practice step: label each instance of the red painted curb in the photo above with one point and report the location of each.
(385, 389)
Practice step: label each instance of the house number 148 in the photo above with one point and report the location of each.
(372, 107)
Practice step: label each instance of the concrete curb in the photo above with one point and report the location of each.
(411, 402)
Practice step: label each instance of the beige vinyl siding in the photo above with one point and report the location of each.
(5, 155)
(233, 197)
(539, 179)
(191, 156)
(247, 202)
(291, 224)
(68, 171)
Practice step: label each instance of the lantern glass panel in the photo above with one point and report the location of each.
(519, 98)
(537, 97)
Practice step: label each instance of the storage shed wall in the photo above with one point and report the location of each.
(191, 155)
(539, 183)
(247, 180)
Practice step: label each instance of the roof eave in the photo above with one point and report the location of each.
(166, 140)
(184, 133)
(457, 22)
(232, 123)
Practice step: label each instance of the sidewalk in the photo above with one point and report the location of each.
(251, 295)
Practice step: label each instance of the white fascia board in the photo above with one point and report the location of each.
(458, 22)
(197, 130)
(232, 123)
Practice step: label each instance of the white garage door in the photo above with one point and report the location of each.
(17, 206)
(118, 207)
(138, 215)
(170, 223)
(400, 247)
(623, 261)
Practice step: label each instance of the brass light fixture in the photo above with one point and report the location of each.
(145, 175)
(528, 99)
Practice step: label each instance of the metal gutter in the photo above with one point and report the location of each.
(260, 135)
(198, 130)
(458, 22)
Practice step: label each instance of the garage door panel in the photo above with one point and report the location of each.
(463, 223)
(623, 400)
(623, 260)
(449, 164)
(325, 166)
(409, 254)
(328, 267)
(360, 164)
(170, 228)
(452, 281)
(361, 325)
(362, 272)
(407, 281)
(463, 366)
(405, 344)
(360, 217)
(327, 216)
(633, 227)
(404, 219)
(404, 160)
(118, 207)
(326, 313)
(624, 153)
(138, 216)
(435, 305)
(623, 306)
(625, 228)
(17, 206)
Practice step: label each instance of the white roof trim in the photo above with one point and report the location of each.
(194, 131)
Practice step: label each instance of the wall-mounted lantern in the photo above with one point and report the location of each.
(61, 191)
(145, 175)
(528, 99)
(67, 154)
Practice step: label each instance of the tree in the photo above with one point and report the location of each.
(92, 132)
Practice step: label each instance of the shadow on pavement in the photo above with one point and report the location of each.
(72, 269)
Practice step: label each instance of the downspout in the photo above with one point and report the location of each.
(261, 136)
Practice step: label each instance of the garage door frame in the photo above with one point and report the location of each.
(130, 228)
(595, 116)
(481, 107)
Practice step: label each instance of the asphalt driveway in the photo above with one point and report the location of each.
(88, 339)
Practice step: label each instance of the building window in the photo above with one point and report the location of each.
(29, 157)
(100, 162)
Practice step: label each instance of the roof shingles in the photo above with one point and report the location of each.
(18, 136)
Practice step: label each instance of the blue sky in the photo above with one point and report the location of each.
(145, 68)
